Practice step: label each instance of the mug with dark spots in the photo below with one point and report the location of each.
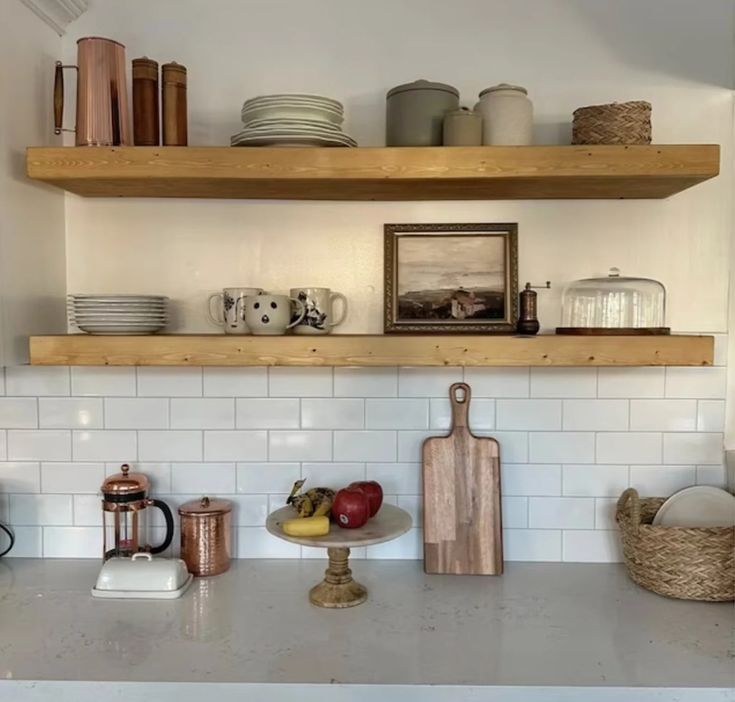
(272, 314)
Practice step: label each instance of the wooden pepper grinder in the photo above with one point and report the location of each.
(528, 324)
(146, 129)
(173, 97)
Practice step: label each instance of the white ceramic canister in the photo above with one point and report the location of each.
(507, 115)
(462, 127)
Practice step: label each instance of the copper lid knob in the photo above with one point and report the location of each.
(125, 483)
(205, 506)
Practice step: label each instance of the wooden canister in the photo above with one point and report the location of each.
(146, 129)
(206, 535)
(173, 98)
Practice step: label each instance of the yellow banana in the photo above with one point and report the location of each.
(309, 526)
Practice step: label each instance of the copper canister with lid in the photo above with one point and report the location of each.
(206, 535)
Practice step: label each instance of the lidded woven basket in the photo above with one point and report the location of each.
(615, 123)
(689, 563)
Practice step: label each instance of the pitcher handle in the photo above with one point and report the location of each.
(301, 316)
(212, 317)
(59, 98)
(343, 300)
(169, 525)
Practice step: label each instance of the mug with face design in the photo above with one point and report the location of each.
(271, 314)
(319, 317)
(229, 309)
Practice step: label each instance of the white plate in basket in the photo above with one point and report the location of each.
(698, 506)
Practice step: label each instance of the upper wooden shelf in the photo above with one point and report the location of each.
(430, 173)
(366, 350)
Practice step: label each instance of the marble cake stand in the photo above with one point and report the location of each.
(338, 589)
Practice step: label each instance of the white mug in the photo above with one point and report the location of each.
(319, 317)
(271, 314)
(229, 310)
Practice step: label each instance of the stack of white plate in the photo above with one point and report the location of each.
(118, 314)
(292, 120)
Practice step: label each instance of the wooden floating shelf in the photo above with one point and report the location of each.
(421, 173)
(366, 350)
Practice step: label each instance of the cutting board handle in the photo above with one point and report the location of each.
(459, 396)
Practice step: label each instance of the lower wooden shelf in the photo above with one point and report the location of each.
(370, 350)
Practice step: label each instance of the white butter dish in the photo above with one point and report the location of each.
(142, 577)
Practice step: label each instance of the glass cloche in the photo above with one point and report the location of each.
(614, 305)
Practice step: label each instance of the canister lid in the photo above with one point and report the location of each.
(125, 483)
(504, 86)
(205, 506)
(423, 85)
(463, 112)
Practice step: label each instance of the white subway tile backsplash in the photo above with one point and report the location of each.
(169, 382)
(561, 447)
(39, 445)
(663, 415)
(596, 415)
(538, 415)
(563, 382)
(409, 546)
(720, 356)
(72, 542)
(235, 446)
(410, 443)
(414, 505)
(334, 475)
(561, 513)
(299, 382)
(631, 382)
(267, 413)
(396, 478)
(529, 479)
(3, 444)
(170, 446)
(19, 412)
(28, 542)
(704, 448)
(711, 415)
(397, 414)
(72, 478)
(629, 447)
(531, 545)
(498, 382)
(202, 413)
(249, 510)
(299, 446)
(136, 413)
(235, 382)
(70, 413)
(427, 382)
(705, 383)
(709, 475)
(513, 445)
(20, 477)
(332, 413)
(267, 477)
(592, 547)
(87, 510)
(482, 414)
(515, 512)
(605, 508)
(594, 480)
(32, 510)
(36, 380)
(203, 478)
(256, 542)
(107, 445)
(365, 446)
(158, 474)
(365, 382)
(102, 381)
(661, 481)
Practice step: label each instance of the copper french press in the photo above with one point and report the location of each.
(124, 508)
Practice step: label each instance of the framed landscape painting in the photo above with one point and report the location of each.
(451, 278)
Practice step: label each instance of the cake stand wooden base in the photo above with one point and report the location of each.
(338, 589)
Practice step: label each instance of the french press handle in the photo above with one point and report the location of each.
(59, 97)
(169, 525)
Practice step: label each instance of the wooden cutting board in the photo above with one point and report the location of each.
(462, 530)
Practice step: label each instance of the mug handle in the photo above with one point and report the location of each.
(212, 317)
(343, 300)
(301, 316)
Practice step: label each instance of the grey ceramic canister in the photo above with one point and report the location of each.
(415, 113)
(462, 127)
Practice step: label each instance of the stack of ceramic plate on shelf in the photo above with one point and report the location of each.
(292, 120)
(118, 314)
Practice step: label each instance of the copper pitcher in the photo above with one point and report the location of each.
(103, 117)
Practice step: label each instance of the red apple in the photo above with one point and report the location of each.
(350, 508)
(373, 491)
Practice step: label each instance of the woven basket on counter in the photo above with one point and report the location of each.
(690, 563)
(616, 123)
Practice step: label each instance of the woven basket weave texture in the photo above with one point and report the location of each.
(616, 123)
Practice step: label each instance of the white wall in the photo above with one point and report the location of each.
(32, 265)
(675, 53)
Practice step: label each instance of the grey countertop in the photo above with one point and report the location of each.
(540, 627)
